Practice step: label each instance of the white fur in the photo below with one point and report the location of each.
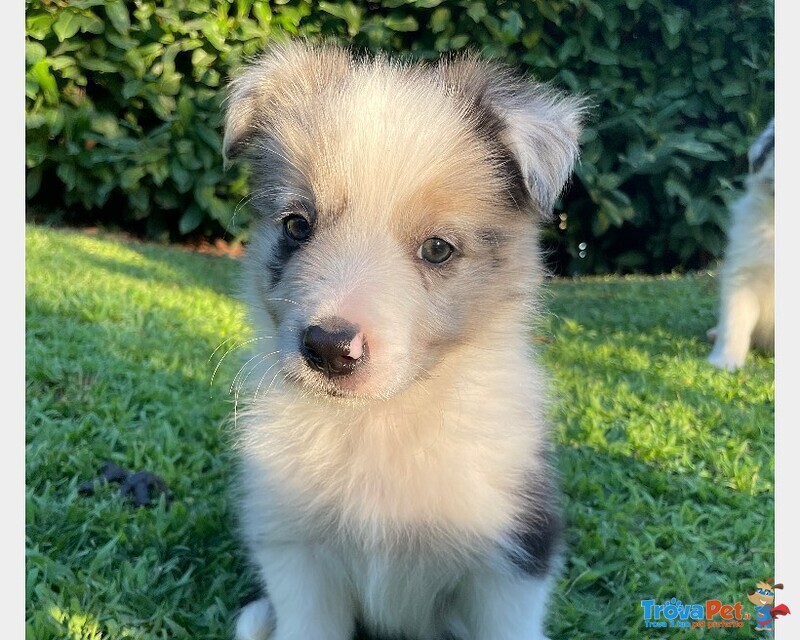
(747, 273)
(440, 455)
(256, 621)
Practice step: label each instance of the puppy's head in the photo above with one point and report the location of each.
(396, 207)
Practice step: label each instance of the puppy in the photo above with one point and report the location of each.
(395, 457)
(747, 273)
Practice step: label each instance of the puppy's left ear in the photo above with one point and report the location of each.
(539, 124)
(542, 128)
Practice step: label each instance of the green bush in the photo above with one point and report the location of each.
(124, 101)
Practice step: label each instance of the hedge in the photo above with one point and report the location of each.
(123, 107)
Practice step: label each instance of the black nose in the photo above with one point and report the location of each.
(327, 345)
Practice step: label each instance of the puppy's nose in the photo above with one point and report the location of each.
(334, 346)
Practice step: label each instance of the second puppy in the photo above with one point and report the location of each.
(747, 273)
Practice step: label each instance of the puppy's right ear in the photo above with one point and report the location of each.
(539, 124)
(287, 72)
(247, 97)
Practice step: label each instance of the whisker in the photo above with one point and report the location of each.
(238, 346)
(249, 373)
(273, 381)
(220, 346)
(264, 357)
(283, 300)
(260, 382)
(296, 195)
(268, 149)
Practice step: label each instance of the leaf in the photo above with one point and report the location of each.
(118, 14)
(673, 22)
(140, 203)
(734, 88)
(33, 180)
(190, 219)
(202, 59)
(106, 125)
(458, 42)
(68, 173)
(96, 64)
(676, 189)
(66, 25)
(602, 56)
(38, 26)
(130, 177)
(35, 152)
(34, 120)
(211, 30)
(698, 149)
(569, 48)
(40, 72)
(396, 23)
(698, 211)
(617, 207)
(90, 23)
(180, 176)
(263, 14)
(512, 25)
(440, 19)
(33, 52)
(477, 11)
(347, 11)
(594, 9)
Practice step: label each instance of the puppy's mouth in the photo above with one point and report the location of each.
(333, 359)
(322, 381)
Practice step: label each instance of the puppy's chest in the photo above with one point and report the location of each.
(408, 592)
(394, 480)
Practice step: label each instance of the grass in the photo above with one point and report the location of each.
(667, 464)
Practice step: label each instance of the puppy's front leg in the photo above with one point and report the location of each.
(504, 606)
(308, 597)
(738, 318)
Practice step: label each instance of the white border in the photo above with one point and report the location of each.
(787, 319)
(12, 450)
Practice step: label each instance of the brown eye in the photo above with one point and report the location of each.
(435, 250)
(296, 228)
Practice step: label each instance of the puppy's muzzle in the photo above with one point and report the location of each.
(335, 347)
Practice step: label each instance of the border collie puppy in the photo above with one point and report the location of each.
(747, 273)
(395, 459)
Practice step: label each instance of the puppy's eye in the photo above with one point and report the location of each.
(297, 228)
(435, 250)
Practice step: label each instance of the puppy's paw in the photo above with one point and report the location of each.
(726, 362)
(256, 621)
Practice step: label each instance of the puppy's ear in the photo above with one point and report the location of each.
(287, 72)
(540, 125)
(763, 149)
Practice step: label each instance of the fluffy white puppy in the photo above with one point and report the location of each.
(747, 273)
(395, 454)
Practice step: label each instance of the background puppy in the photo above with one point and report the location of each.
(395, 456)
(747, 274)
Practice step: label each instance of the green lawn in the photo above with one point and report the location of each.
(667, 464)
